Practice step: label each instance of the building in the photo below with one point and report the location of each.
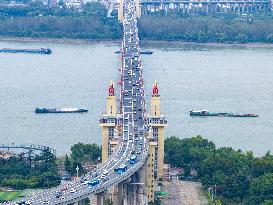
(166, 172)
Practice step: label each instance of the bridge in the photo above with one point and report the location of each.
(205, 6)
(29, 147)
(128, 186)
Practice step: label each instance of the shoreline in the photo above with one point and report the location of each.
(84, 41)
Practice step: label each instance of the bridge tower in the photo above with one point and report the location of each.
(150, 164)
(158, 123)
(108, 123)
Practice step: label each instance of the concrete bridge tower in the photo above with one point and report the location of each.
(158, 123)
(108, 122)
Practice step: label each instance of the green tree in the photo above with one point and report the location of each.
(85, 152)
(261, 189)
(67, 164)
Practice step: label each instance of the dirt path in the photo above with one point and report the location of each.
(183, 193)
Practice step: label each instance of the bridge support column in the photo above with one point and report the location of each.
(136, 189)
(99, 199)
(118, 194)
(81, 202)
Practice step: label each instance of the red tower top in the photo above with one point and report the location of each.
(111, 90)
(155, 90)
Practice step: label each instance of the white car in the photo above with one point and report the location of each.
(105, 172)
(73, 190)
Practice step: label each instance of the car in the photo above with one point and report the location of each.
(63, 197)
(64, 188)
(21, 202)
(85, 182)
(105, 178)
(138, 152)
(58, 194)
(46, 202)
(94, 174)
(82, 179)
(73, 190)
(105, 172)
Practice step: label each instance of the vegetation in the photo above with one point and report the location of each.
(8, 196)
(36, 20)
(81, 153)
(236, 175)
(20, 172)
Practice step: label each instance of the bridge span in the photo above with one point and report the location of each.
(29, 147)
(135, 134)
(204, 6)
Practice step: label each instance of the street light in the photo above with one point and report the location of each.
(77, 169)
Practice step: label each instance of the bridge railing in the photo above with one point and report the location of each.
(28, 147)
(204, 1)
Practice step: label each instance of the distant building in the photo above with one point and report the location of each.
(4, 154)
(166, 172)
(76, 4)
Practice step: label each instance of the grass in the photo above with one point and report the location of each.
(8, 196)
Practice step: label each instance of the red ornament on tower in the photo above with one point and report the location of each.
(111, 90)
(155, 90)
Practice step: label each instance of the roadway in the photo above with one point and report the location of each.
(134, 126)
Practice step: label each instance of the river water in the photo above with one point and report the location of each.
(235, 79)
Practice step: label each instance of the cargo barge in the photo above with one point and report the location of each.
(218, 114)
(141, 52)
(61, 110)
(34, 51)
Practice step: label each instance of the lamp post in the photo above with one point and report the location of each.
(77, 169)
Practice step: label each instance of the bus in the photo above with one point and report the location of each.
(93, 182)
(133, 159)
(121, 169)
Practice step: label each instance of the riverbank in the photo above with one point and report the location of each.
(143, 42)
(198, 29)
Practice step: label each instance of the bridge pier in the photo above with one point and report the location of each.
(100, 198)
(81, 202)
(133, 191)
(118, 194)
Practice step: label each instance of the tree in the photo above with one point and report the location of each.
(236, 187)
(261, 189)
(67, 164)
(85, 152)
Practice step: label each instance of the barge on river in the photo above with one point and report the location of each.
(19, 50)
(141, 52)
(61, 110)
(218, 114)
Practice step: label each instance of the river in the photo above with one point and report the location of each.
(218, 78)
